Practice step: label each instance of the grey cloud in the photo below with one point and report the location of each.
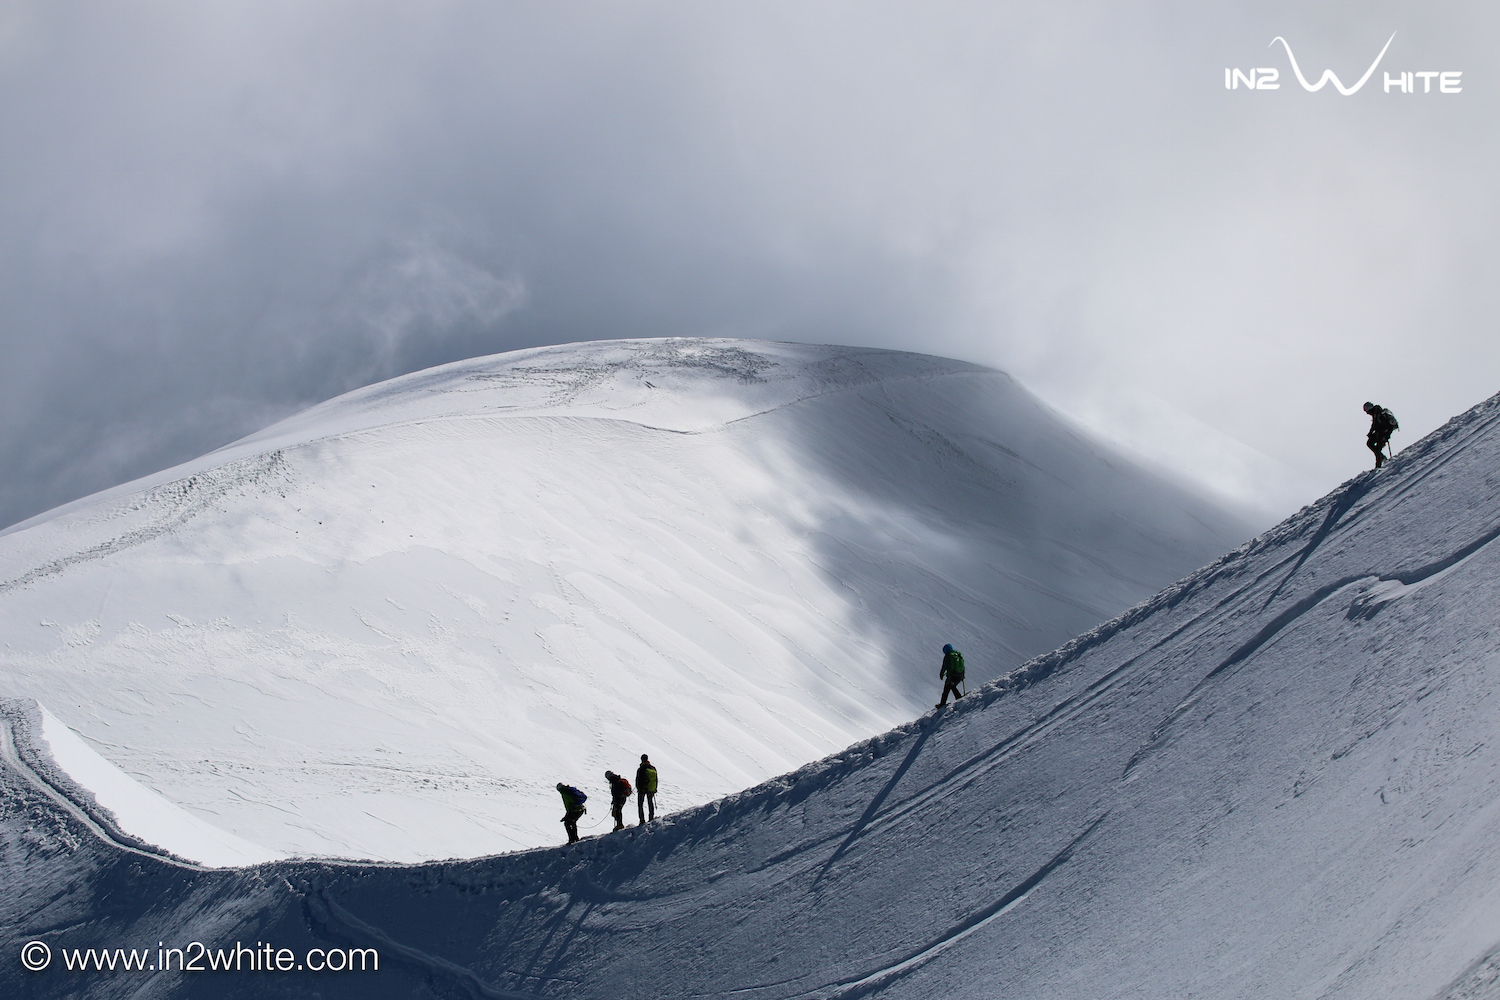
(212, 215)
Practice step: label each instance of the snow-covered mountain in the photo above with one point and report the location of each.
(387, 626)
(1280, 777)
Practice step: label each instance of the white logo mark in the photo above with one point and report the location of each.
(1405, 82)
(1328, 74)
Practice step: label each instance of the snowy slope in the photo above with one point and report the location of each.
(1277, 778)
(387, 626)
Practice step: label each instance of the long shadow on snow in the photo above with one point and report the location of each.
(1286, 618)
(1351, 496)
(875, 803)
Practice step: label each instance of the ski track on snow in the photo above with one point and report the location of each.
(876, 981)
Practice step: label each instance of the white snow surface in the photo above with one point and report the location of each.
(387, 626)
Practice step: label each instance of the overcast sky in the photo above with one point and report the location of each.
(215, 214)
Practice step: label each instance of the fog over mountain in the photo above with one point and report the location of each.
(213, 215)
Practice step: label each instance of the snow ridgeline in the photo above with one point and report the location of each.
(1277, 778)
(386, 627)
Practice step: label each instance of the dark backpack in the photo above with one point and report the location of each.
(953, 663)
(578, 796)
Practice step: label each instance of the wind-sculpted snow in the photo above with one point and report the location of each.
(1276, 778)
(388, 626)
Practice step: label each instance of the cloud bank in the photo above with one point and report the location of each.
(212, 215)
